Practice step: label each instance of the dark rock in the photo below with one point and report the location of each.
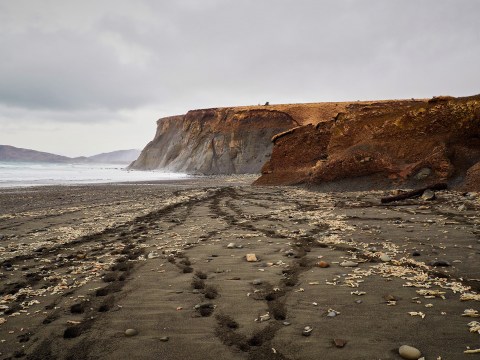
(440, 263)
(390, 297)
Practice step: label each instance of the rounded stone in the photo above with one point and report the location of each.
(323, 264)
(440, 263)
(257, 282)
(131, 332)
(251, 258)
(307, 331)
(164, 338)
(339, 343)
(416, 253)
(231, 246)
(385, 258)
(428, 195)
(409, 352)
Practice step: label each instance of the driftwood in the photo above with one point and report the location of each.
(413, 193)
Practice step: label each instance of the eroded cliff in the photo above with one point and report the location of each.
(383, 144)
(231, 140)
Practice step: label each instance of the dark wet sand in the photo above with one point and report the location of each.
(82, 264)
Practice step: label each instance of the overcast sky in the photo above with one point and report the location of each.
(90, 76)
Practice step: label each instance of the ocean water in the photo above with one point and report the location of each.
(20, 174)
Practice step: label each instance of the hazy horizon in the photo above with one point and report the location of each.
(79, 79)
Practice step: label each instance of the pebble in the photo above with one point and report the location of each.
(409, 352)
(471, 195)
(390, 297)
(440, 263)
(358, 301)
(251, 258)
(231, 246)
(416, 253)
(339, 343)
(428, 195)
(332, 314)
(307, 331)
(286, 323)
(257, 282)
(385, 258)
(323, 264)
(348, 263)
(131, 332)
(164, 338)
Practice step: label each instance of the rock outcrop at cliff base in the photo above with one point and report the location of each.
(384, 144)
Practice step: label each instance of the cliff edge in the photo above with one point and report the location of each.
(384, 144)
(233, 140)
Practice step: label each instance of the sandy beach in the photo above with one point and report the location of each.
(214, 268)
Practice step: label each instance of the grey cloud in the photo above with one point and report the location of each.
(127, 55)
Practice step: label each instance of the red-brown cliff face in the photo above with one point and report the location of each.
(383, 144)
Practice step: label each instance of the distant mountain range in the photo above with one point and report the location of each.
(12, 153)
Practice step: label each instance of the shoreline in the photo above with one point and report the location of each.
(82, 264)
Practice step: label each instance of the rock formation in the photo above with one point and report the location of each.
(231, 140)
(365, 144)
(407, 142)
